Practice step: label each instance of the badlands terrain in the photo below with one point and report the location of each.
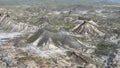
(60, 36)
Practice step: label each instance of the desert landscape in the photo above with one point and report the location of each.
(59, 34)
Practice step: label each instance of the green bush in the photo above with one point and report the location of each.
(105, 48)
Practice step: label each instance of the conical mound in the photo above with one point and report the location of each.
(88, 28)
(60, 39)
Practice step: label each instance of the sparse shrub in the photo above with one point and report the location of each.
(105, 48)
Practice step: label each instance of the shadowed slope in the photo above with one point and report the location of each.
(60, 39)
